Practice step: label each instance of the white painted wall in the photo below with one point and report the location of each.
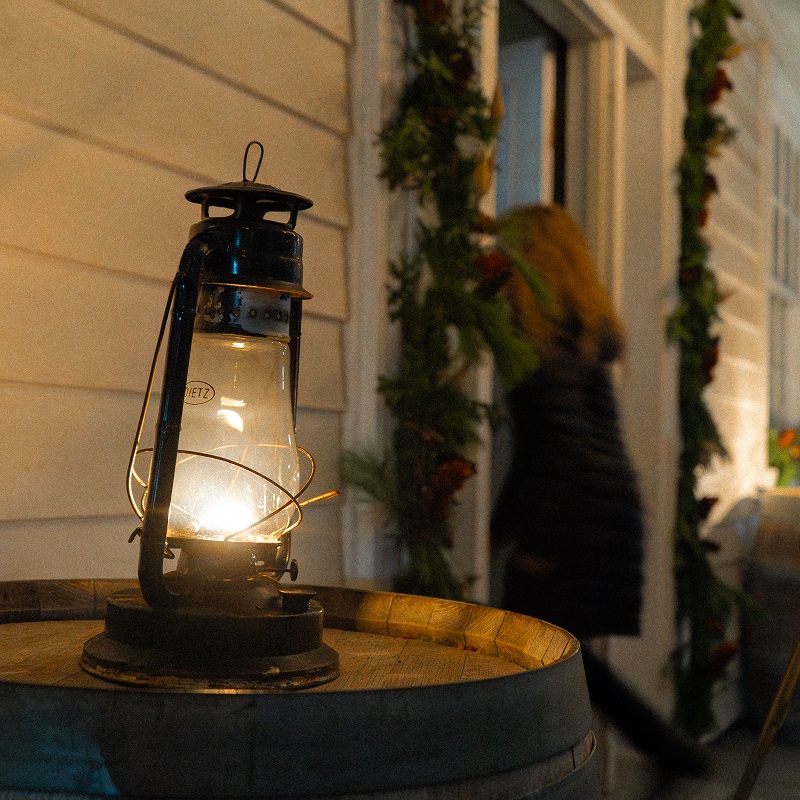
(109, 112)
(738, 232)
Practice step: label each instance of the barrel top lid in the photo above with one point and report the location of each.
(499, 642)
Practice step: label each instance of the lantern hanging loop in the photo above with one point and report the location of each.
(245, 179)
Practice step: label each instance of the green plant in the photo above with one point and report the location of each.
(439, 145)
(703, 602)
(784, 455)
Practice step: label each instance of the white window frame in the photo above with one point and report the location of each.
(783, 280)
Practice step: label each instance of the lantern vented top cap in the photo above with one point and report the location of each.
(248, 200)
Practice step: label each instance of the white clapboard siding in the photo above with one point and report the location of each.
(68, 548)
(744, 341)
(745, 87)
(741, 300)
(109, 113)
(324, 268)
(317, 547)
(77, 201)
(745, 71)
(332, 16)
(92, 546)
(59, 302)
(251, 43)
(74, 200)
(738, 377)
(319, 433)
(129, 96)
(316, 542)
(321, 369)
(738, 394)
(98, 548)
(732, 172)
(66, 450)
(733, 213)
(738, 414)
(732, 255)
(745, 143)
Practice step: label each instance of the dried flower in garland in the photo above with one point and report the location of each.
(445, 296)
(704, 603)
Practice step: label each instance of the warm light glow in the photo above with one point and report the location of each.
(226, 516)
(241, 416)
(232, 418)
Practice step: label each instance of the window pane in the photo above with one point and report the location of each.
(785, 269)
(796, 183)
(776, 356)
(787, 250)
(793, 258)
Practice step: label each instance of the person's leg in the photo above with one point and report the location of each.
(644, 729)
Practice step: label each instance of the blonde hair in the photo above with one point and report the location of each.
(577, 306)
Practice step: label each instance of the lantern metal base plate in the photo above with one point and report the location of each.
(207, 648)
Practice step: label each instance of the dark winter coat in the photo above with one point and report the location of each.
(570, 503)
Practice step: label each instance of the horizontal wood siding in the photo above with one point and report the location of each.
(129, 96)
(70, 548)
(80, 528)
(109, 113)
(256, 47)
(332, 16)
(738, 395)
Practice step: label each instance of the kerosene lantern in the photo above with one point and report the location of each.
(224, 478)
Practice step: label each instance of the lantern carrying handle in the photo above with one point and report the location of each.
(146, 403)
(168, 425)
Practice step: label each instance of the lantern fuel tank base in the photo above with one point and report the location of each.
(275, 645)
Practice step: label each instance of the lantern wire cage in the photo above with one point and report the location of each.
(136, 451)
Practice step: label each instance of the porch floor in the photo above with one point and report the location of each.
(779, 778)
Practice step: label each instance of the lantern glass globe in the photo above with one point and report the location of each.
(237, 413)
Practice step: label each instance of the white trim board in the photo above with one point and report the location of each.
(583, 20)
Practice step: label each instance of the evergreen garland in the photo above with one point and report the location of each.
(444, 297)
(703, 602)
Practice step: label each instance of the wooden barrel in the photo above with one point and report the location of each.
(773, 580)
(435, 700)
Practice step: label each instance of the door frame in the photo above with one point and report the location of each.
(604, 53)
